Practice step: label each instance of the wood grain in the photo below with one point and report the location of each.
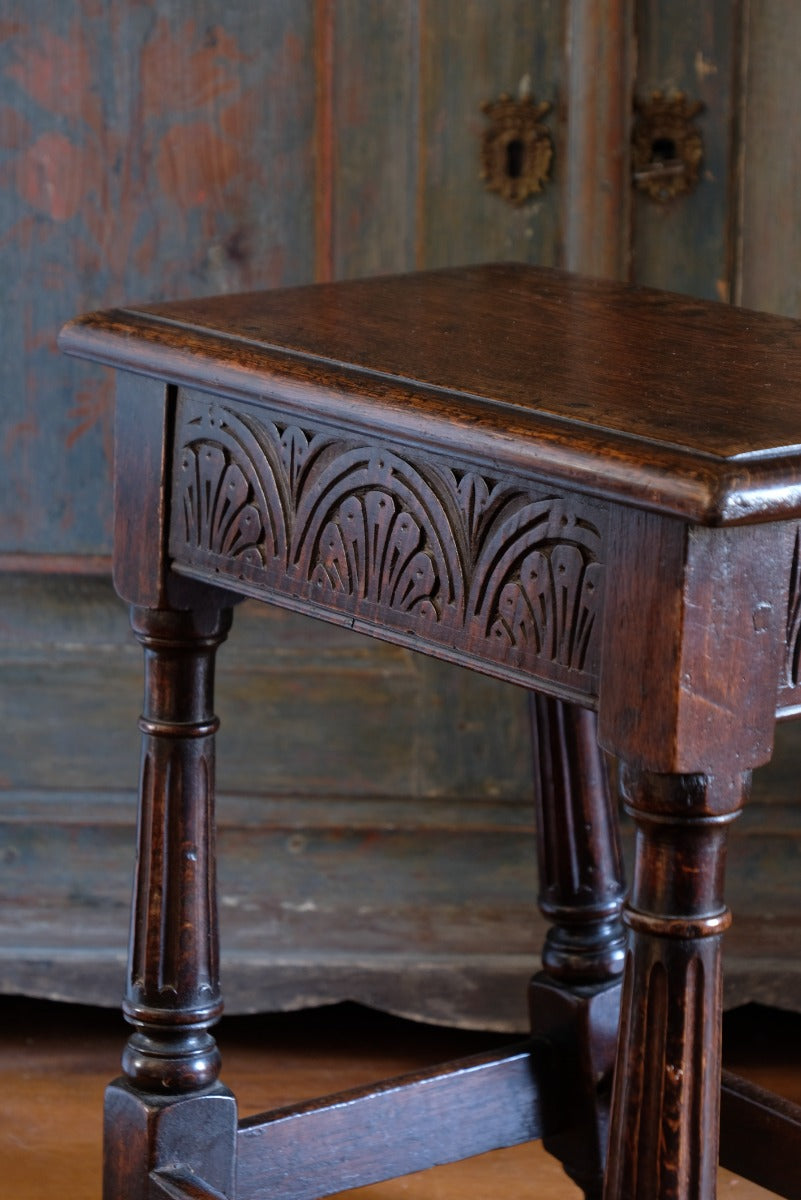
(601, 392)
(708, 689)
(485, 1103)
(356, 505)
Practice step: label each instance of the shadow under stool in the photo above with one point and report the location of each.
(586, 488)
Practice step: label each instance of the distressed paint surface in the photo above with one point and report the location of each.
(374, 100)
(685, 245)
(361, 786)
(154, 151)
(471, 54)
(185, 148)
(191, 149)
(387, 722)
(770, 248)
(392, 862)
(601, 52)
(143, 152)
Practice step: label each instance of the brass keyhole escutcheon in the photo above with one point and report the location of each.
(667, 147)
(516, 149)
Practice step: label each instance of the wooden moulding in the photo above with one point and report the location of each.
(606, 402)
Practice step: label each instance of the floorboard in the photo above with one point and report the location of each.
(56, 1059)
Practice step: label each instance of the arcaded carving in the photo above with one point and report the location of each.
(374, 550)
(231, 490)
(218, 511)
(477, 497)
(350, 525)
(550, 606)
(294, 456)
(536, 586)
(371, 526)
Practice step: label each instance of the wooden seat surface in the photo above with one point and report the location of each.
(672, 403)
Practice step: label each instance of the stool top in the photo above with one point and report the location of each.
(671, 403)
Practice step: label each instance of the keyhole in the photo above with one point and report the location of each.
(663, 150)
(514, 158)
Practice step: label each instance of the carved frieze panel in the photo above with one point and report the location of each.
(536, 581)
(483, 566)
(371, 531)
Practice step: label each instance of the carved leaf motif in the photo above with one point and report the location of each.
(537, 584)
(230, 486)
(371, 526)
(294, 453)
(473, 495)
(218, 513)
(373, 550)
(551, 607)
(493, 567)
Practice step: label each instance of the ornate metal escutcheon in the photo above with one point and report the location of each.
(516, 148)
(667, 147)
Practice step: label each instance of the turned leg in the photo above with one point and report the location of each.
(575, 999)
(663, 1141)
(168, 1116)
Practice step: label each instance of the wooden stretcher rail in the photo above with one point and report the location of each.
(179, 1184)
(425, 1119)
(407, 1124)
(760, 1133)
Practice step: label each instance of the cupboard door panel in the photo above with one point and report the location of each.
(145, 151)
(770, 250)
(373, 154)
(473, 53)
(685, 245)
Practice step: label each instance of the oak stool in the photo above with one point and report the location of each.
(586, 488)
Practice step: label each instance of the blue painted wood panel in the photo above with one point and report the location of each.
(145, 151)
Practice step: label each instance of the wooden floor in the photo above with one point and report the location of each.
(56, 1059)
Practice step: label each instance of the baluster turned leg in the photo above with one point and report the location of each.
(575, 999)
(663, 1141)
(169, 1111)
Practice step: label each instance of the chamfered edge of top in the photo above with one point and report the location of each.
(604, 459)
